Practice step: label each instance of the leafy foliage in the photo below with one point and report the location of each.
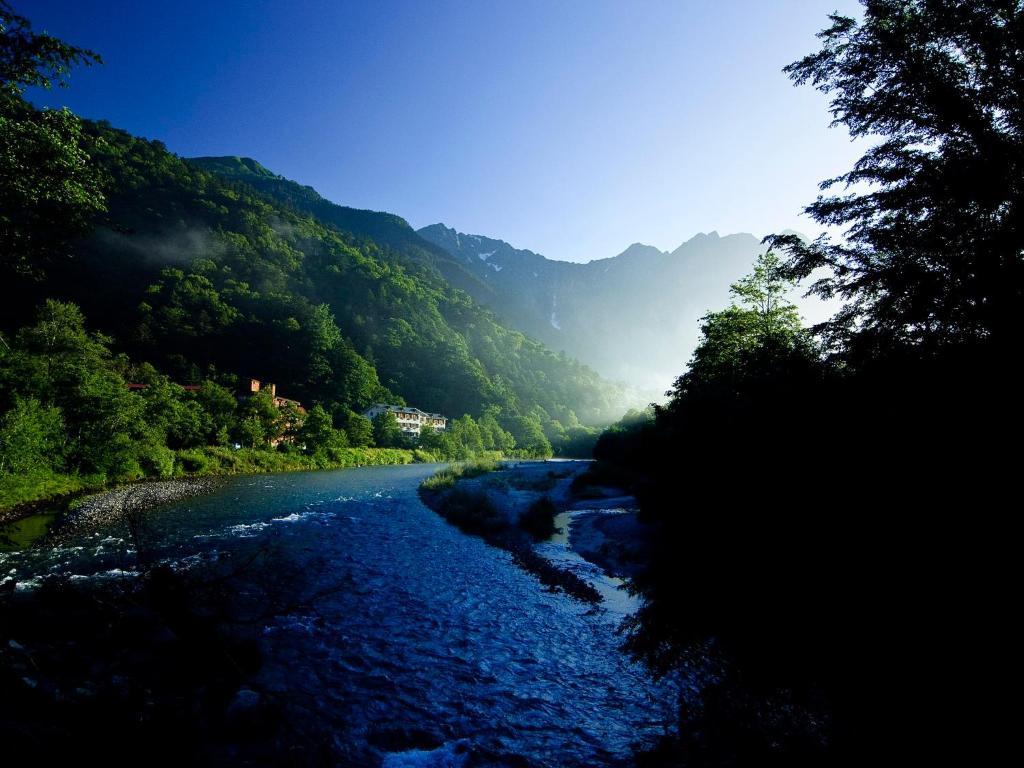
(32, 59)
(49, 190)
(31, 437)
(933, 253)
(386, 431)
(75, 422)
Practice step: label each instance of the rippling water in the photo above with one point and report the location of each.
(431, 630)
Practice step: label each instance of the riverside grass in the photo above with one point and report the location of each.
(447, 477)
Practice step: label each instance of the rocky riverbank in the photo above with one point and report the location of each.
(100, 508)
(612, 538)
(61, 516)
(519, 504)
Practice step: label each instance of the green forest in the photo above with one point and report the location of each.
(125, 264)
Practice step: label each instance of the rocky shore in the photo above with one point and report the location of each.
(522, 504)
(100, 508)
(612, 538)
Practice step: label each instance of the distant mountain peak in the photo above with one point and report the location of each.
(583, 308)
(703, 236)
(637, 249)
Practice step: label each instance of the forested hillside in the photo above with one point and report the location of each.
(390, 232)
(198, 273)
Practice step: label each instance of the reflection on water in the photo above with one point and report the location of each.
(23, 533)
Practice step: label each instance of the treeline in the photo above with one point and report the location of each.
(79, 415)
(832, 551)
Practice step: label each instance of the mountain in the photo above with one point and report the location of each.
(385, 230)
(220, 267)
(634, 317)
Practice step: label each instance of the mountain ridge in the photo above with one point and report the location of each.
(633, 317)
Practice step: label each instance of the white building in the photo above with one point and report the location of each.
(410, 420)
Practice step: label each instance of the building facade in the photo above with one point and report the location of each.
(410, 420)
(253, 386)
(294, 416)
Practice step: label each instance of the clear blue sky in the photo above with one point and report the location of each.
(570, 128)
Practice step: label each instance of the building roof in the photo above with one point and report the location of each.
(406, 409)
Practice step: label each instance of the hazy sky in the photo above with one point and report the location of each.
(569, 128)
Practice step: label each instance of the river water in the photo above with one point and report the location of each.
(423, 629)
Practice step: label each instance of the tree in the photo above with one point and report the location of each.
(31, 438)
(933, 249)
(494, 437)
(49, 189)
(174, 417)
(386, 432)
(359, 430)
(529, 436)
(60, 363)
(318, 435)
(743, 338)
(259, 421)
(251, 432)
(467, 434)
(219, 407)
(36, 60)
(290, 419)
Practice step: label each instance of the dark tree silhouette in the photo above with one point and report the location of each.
(832, 554)
(933, 254)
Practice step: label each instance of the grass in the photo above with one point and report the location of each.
(473, 512)
(21, 533)
(23, 490)
(447, 477)
(218, 460)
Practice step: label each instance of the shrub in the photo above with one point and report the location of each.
(472, 512)
(156, 460)
(539, 520)
(193, 461)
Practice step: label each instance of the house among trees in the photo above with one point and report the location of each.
(291, 414)
(253, 386)
(410, 420)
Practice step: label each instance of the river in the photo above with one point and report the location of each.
(423, 629)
